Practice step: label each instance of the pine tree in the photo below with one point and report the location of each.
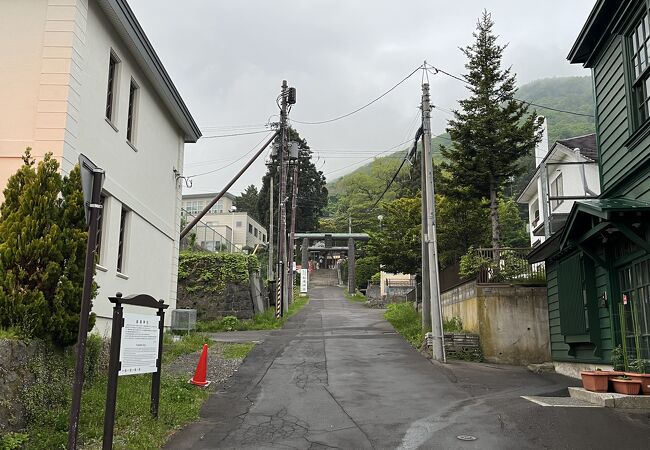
(42, 248)
(312, 190)
(492, 131)
(247, 201)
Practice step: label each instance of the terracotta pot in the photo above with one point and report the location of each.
(595, 380)
(644, 378)
(628, 387)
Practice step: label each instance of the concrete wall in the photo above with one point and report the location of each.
(512, 321)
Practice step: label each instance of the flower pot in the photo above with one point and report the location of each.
(628, 387)
(595, 380)
(644, 378)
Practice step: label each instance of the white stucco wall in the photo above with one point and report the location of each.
(53, 73)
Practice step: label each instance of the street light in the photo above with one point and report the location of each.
(380, 218)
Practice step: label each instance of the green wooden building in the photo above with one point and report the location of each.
(598, 265)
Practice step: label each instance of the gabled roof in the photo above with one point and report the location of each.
(585, 144)
(127, 26)
(595, 29)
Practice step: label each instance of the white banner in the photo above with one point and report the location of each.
(304, 275)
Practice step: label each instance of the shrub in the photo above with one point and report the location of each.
(230, 323)
(42, 252)
(365, 269)
(453, 325)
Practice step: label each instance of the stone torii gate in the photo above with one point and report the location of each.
(330, 245)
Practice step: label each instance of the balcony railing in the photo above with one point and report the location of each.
(205, 238)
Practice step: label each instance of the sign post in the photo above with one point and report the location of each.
(136, 348)
(92, 180)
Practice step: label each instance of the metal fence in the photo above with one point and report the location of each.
(507, 265)
(203, 237)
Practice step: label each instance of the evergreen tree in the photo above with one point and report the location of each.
(42, 247)
(492, 132)
(312, 191)
(247, 201)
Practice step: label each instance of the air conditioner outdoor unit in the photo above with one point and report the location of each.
(184, 319)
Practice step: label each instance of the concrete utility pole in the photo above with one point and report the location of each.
(282, 238)
(438, 348)
(292, 236)
(426, 293)
(270, 236)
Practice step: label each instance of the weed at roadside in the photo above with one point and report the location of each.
(237, 350)
(407, 321)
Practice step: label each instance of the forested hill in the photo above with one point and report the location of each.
(565, 93)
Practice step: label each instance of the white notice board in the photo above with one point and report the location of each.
(139, 346)
(304, 274)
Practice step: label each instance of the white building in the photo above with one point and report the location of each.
(79, 76)
(223, 224)
(567, 172)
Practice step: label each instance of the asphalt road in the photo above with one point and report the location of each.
(338, 376)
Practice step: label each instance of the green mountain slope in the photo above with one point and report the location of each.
(564, 93)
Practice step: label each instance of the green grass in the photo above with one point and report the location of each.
(236, 350)
(263, 321)
(187, 344)
(356, 297)
(407, 321)
(180, 403)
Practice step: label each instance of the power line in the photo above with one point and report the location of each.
(373, 156)
(406, 157)
(237, 160)
(235, 134)
(319, 122)
(550, 108)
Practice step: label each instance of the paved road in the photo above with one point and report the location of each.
(338, 376)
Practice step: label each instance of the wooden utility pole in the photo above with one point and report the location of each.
(282, 237)
(438, 348)
(270, 235)
(292, 235)
(426, 293)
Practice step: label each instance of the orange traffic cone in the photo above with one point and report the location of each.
(201, 369)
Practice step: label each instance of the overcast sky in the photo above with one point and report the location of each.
(228, 60)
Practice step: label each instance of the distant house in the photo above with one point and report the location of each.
(80, 76)
(598, 265)
(568, 172)
(223, 227)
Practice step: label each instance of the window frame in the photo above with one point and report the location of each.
(131, 118)
(121, 261)
(100, 229)
(112, 89)
(559, 191)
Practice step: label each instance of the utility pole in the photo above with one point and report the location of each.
(438, 348)
(282, 232)
(426, 293)
(271, 195)
(292, 235)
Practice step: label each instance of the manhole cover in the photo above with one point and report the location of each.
(466, 437)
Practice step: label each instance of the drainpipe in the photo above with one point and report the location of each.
(583, 175)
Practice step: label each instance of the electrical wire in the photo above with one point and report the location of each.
(235, 134)
(550, 108)
(334, 119)
(235, 161)
(371, 157)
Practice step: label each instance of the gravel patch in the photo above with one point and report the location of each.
(219, 368)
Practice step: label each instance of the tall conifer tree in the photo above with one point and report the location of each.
(492, 131)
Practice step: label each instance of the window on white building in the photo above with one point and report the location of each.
(131, 119)
(250, 228)
(557, 190)
(216, 208)
(111, 92)
(121, 249)
(100, 226)
(194, 207)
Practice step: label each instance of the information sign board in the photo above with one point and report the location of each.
(304, 274)
(139, 344)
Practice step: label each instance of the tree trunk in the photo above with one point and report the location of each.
(494, 216)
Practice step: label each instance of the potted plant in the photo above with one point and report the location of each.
(626, 385)
(595, 380)
(639, 371)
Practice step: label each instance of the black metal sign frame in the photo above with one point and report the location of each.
(145, 301)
